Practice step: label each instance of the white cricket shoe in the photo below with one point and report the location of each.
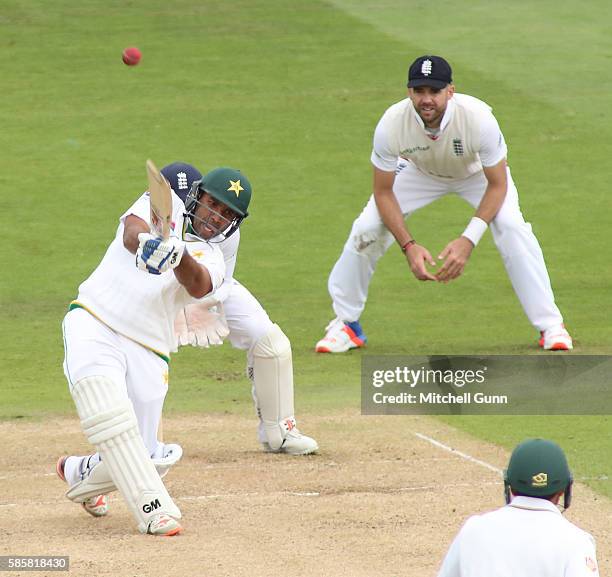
(294, 444)
(341, 337)
(96, 506)
(556, 339)
(163, 525)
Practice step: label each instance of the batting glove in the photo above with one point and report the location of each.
(156, 255)
(201, 325)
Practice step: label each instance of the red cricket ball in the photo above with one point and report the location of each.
(131, 56)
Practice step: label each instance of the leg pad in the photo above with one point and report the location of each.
(109, 421)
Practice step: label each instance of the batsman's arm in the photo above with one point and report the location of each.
(193, 276)
(132, 226)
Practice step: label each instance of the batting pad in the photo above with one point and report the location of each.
(273, 385)
(99, 482)
(109, 422)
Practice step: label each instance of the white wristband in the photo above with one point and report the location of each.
(475, 229)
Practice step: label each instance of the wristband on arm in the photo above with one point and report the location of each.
(407, 245)
(475, 229)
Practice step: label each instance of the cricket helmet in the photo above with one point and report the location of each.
(181, 176)
(226, 185)
(538, 468)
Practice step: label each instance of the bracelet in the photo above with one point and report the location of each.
(475, 229)
(405, 246)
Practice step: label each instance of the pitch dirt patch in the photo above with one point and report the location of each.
(377, 501)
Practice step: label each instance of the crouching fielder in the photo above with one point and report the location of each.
(118, 336)
(233, 311)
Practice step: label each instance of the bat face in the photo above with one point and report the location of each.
(160, 197)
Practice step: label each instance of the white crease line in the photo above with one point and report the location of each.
(329, 464)
(379, 461)
(459, 453)
(452, 486)
(333, 494)
(241, 466)
(242, 495)
(187, 497)
(492, 467)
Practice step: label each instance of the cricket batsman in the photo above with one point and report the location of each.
(118, 335)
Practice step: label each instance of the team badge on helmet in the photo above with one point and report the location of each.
(539, 480)
(538, 468)
(226, 185)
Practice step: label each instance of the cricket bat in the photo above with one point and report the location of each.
(160, 197)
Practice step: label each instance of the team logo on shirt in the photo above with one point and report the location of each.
(457, 147)
(591, 565)
(539, 480)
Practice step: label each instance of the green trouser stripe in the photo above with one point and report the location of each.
(74, 305)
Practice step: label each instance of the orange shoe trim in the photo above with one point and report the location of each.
(353, 336)
(559, 347)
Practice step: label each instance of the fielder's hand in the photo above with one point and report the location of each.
(418, 256)
(455, 256)
(201, 325)
(156, 255)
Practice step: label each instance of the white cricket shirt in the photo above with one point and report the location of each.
(530, 538)
(139, 305)
(469, 138)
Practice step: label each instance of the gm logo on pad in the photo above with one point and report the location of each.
(150, 507)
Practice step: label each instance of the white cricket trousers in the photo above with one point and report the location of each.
(369, 240)
(91, 348)
(246, 319)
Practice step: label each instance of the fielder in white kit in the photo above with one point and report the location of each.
(530, 535)
(433, 143)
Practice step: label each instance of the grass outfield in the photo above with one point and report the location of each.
(290, 93)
